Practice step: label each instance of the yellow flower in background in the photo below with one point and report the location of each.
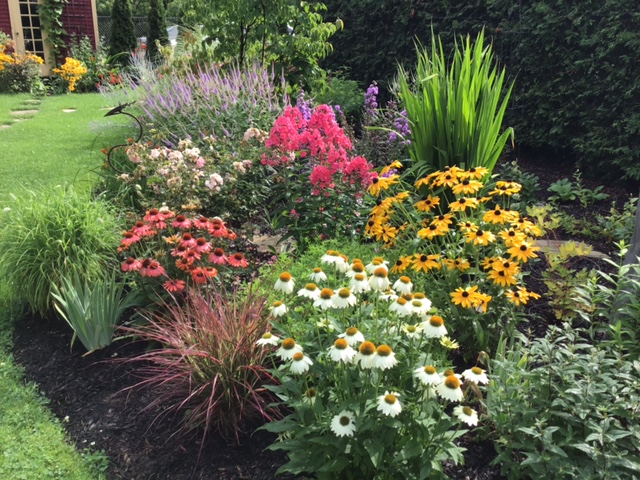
(394, 165)
(402, 264)
(511, 236)
(527, 226)
(480, 237)
(460, 264)
(433, 231)
(463, 203)
(387, 233)
(523, 252)
(426, 262)
(507, 266)
(466, 297)
(497, 215)
(443, 220)
(477, 173)
(71, 72)
(382, 183)
(374, 224)
(382, 207)
(502, 278)
(506, 188)
(467, 187)
(520, 296)
(427, 204)
(447, 178)
(467, 226)
(482, 303)
(400, 197)
(488, 262)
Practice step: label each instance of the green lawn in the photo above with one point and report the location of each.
(52, 146)
(49, 148)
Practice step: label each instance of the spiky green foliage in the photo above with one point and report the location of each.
(455, 109)
(52, 233)
(123, 37)
(157, 29)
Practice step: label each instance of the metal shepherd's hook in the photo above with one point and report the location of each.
(119, 110)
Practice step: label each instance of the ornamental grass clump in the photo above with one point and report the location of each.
(206, 366)
(455, 231)
(52, 234)
(171, 251)
(365, 373)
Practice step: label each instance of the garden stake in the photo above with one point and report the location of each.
(119, 110)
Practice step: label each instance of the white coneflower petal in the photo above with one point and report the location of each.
(359, 283)
(366, 356)
(412, 331)
(309, 396)
(388, 295)
(331, 257)
(377, 262)
(389, 404)
(343, 424)
(379, 280)
(300, 363)
(344, 298)
(355, 269)
(285, 283)
(401, 306)
(325, 299)
(278, 309)
(288, 349)
(310, 290)
(268, 339)
(450, 389)
(466, 415)
(341, 351)
(385, 357)
(403, 285)
(476, 375)
(352, 335)
(427, 375)
(318, 275)
(434, 327)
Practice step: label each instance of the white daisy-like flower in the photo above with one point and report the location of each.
(285, 283)
(325, 324)
(310, 290)
(359, 283)
(278, 309)
(427, 375)
(355, 268)
(401, 306)
(379, 280)
(318, 275)
(366, 355)
(466, 415)
(309, 396)
(418, 307)
(342, 265)
(434, 327)
(288, 349)
(343, 424)
(352, 335)
(344, 298)
(300, 363)
(325, 299)
(341, 351)
(388, 295)
(377, 262)
(268, 339)
(450, 389)
(331, 257)
(428, 392)
(385, 357)
(412, 331)
(476, 375)
(389, 404)
(403, 285)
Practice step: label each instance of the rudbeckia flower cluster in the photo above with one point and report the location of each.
(179, 249)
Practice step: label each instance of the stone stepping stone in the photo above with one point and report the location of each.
(68, 110)
(23, 112)
(32, 102)
(553, 246)
(4, 127)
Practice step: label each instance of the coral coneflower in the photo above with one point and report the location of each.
(174, 285)
(238, 260)
(181, 222)
(131, 265)
(218, 257)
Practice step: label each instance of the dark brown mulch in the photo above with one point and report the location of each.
(84, 393)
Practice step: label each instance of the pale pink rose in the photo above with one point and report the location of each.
(200, 162)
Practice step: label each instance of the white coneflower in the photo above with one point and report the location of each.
(288, 349)
(341, 351)
(366, 355)
(476, 375)
(426, 304)
(310, 290)
(401, 306)
(403, 285)
(434, 327)
(309, 396)
(359, 283)
(412, 331)
(427, 375)
(377, 262)
(389, 404)
(385, 357)
(352, 335)
(388, 295)
(318, 275)
(450, 389)
(343, 424)
(325, 299)
(300, 363)
(285, 283)
(268, 339)
(332, 258)
(342, 265)
(278, 309)
(379, 280)
(344, 298)
(466, 415)
(355, 269)
(418, 307)
(325, 324)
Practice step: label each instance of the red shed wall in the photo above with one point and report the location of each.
(5, 19)
(77, 19)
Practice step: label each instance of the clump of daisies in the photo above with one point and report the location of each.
(362, 359)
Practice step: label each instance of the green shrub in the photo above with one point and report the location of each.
(54, 233)
(19, 72)
(123, 37)
(99, 71)
(157, 29)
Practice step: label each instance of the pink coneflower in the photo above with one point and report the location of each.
(129, 239)
(201, 223)
(131, 265)
(193, 255)
(181, 222)
(231, 235)
(174, 285)
(218, 257)
(151, 268)
(142, 229)
(184, 264)
(210, 272)
(238, 260)
(199, 275)
(188, 240)
(202, 245)
(218, 230)
(153, 216)
(179, 251)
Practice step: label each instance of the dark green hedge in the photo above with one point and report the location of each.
(577, 65)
